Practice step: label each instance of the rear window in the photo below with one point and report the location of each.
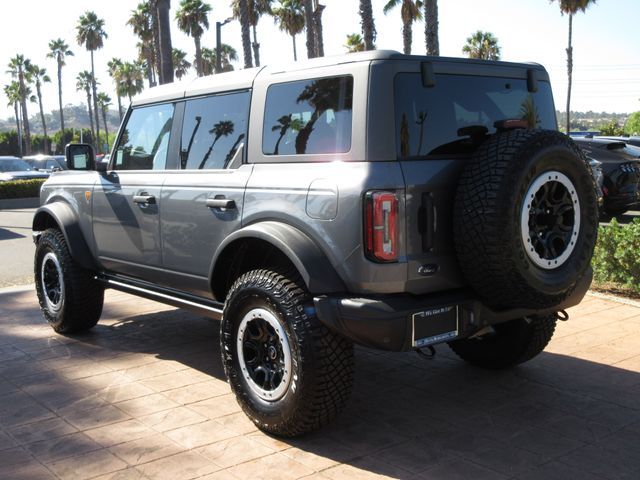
(453, 117)
(308, 117)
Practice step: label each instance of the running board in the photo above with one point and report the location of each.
(202, 306)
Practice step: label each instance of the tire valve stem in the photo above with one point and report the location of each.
(562, 316)
(424, 355)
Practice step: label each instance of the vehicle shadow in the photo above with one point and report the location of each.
(6, 234)
(557, 416)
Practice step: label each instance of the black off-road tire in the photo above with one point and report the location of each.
(75, 305)
(489, 202)
(321, 374)
(513, 342)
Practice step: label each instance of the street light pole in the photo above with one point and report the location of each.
(219, 26)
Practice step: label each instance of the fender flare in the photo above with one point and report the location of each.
(313, 265)
(67, 222)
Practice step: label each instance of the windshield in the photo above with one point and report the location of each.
(9, 165)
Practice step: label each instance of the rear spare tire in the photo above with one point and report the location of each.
(525, 219)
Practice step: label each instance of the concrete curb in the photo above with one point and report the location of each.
(18, 203)
(614, 298)
(17, 288)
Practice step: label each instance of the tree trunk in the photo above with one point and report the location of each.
(368, 25)
(44, 123)
(18, 127)
(106, 129)
(431, 27)
(198, 56)
(308, 24)
(95, 106)
(155, 28)
(246, 37)
(93, 132)
(407, 37)
(60, 96)
(317, 27)
(295, 54)
(25, 117)
(569, 73)
(150, 69)
(119, 105)
(165, 47)
(256, 46)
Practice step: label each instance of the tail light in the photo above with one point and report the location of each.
(381, 226)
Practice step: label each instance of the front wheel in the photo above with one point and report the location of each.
(70, 299)
(508, 344)
(289, 372)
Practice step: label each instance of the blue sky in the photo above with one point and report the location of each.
(606, 41)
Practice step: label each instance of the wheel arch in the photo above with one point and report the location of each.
(60, 215)
(270, 243)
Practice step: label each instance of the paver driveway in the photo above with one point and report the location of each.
(144, 396)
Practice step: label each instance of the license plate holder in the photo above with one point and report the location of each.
(435, 325)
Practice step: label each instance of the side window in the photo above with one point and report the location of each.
(213, 129)
(308, 117)
(145, 138)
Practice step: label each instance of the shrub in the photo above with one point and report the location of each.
(20, 188)
(617, 255)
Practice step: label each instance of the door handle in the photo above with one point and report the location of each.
(144, 199)
(220, 203)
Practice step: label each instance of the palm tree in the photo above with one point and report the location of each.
(91, 35)
(223, 128)
(84, 81)
(317, 27)
(104, 102)
(130, 79)
(114, 66)
(164, 40)
(482, 45)
(12, 91)
(18, 67)
(257, 8)
(39, 76)
(431, 27)
(246, 38)
(141, 20)
(410, 12)
(228, 54)
(368, 25)
(192, 18)
(289, 16)
(59, 50)
(355, 43)
(571, 7)
(180, 62)
(311, 36)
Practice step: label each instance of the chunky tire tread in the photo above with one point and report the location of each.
(84, 297)
(486, 220)
(325, 369)
(513, 343)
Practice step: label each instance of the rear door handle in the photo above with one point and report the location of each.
(220, 203)
(144, 199)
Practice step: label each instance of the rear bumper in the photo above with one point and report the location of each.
(404, 322)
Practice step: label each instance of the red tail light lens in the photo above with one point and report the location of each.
(381, 226)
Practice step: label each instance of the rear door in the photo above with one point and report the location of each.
(202, 202)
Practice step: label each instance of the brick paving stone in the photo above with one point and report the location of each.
(120, 432)
(146, 449)
(87, 465)
(62, 447)
(172, 419)
(200, 434)
(94, 418)
(233, 451)
(146, 405)
(276, 466)
(183, 466)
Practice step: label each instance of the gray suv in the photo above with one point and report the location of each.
(391, 201)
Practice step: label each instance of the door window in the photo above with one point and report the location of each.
(145, 139)
(214, 128)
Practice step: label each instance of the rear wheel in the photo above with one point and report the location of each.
(70, 299)
(507, 344)
(289, 372)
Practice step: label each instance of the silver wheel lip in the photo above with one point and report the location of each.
(51, 257)
(270, 318)
(543, 178)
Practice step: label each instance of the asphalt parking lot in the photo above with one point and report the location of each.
(144, 396)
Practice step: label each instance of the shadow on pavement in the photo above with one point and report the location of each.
(9, 235)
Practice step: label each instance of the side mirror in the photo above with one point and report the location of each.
(80, 156)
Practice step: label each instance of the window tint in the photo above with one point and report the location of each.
(309, 116)
(213, 129)
(145, 138)
(454, 116)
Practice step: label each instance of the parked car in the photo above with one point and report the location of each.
(387, 200)
(598, 176)
(46, 163)
(634, 141)
(14, 168)
(620, 163)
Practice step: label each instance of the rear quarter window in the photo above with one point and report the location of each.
(451, 118)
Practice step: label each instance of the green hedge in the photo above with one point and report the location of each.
(617, 255)
(20, 188)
